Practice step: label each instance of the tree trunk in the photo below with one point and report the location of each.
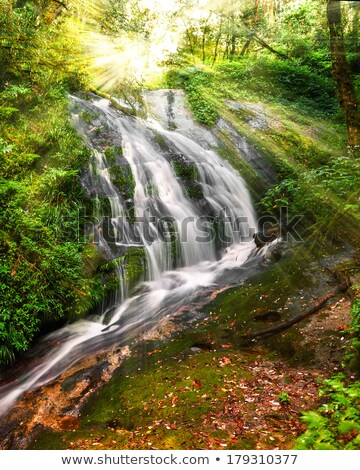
(271, 12)
(256, 13)
(218, 37)
(233, 38)
(246, 46)
(271, 49)
(233, 46)
(342, 74)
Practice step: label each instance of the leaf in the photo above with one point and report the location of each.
(347, 426)
(196, 383)
(314, 419)
(324, 446)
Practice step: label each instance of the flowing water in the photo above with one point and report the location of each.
(210, 236)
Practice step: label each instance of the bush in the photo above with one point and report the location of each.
(335, 425)
(274, 79)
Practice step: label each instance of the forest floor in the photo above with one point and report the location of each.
(245, 399)
(197, 388)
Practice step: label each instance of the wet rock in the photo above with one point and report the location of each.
(267, 235)
(69, 423)
(268, 317)
(201, 347)
(278, 251)
(90, 375)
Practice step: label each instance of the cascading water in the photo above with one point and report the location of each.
(211, 234)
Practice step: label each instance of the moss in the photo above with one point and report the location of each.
(134, 264)
(163, 404)
(194, 191)
(123, 179)
(160, 140)
(104, 206)
(113, 153)
(89, 117)
(186, 171)
(189, 175)
(227, 151)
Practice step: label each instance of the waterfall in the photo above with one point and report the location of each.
(211, 225)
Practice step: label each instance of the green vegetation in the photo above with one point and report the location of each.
(134, 264)
(112, 154)
(335, 425)
(281, 78)
(123, 179)
(284, 398)
(189, 175)
(45, 266)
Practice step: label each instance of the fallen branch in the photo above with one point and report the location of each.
(287, 324)
(271, 49)
(125, 110)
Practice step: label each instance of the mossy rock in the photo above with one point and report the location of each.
(134, 264)
(123, 179)
(89, 117)
(186, 171)
(112, 154)
(104, 206)
(160, 140)
(189, 175)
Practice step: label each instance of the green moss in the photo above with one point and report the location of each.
(186, 171)
(189, 175)
(123, 179)
(89, 117)
(163, 404)
(104, 206)
(160, 140)
(113, 153)
(134, 264)
(194, 191)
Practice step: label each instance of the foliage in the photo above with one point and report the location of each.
(335, 425)
(135, 264)
(284, 398)
(123, 179)
(43, 274)
(352, 355)
(323, 194)
(272, 78)
(197, 84)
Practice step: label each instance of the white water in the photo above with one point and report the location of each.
(198, 264)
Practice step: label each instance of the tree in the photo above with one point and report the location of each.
(342, 74)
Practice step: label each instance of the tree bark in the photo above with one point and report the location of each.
(256, 13)
(218, 37)
(246, 46)
(342, 74)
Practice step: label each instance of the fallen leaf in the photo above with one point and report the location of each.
(196, 383)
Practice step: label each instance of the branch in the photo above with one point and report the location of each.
(59, 2)
(287, 324)
(271, 49)
(253, 35)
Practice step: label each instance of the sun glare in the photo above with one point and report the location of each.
(132, 57)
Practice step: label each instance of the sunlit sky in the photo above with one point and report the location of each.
(116, 59)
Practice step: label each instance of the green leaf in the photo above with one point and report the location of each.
(347, 426)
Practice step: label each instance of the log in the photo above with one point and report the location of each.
(343, 287)
(271, 49)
